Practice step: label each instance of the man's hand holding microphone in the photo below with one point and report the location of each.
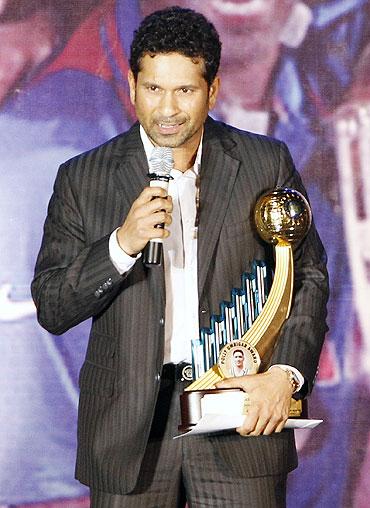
(152, 207)
(145, 224)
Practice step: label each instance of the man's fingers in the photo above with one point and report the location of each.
(158, 205)
(249, 424)
(147, 225)
(150, 193)
(280, 427)
(256, 425)
(146, 208)
(255, 422)
(233, 382)
(154, 211)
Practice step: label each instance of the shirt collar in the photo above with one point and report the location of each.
(148, 147)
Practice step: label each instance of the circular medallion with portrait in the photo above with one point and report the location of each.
(238, 358)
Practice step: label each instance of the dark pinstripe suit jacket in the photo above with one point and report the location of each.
(75, 280)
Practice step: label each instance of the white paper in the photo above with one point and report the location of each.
(220, 422)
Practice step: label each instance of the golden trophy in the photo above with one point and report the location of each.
(283, 218)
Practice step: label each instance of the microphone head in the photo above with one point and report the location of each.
(161, 161)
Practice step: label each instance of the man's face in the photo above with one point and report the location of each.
(172, 99)
(238, 359)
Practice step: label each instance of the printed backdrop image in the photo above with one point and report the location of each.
(295, 70)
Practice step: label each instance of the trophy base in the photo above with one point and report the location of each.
(191, 406)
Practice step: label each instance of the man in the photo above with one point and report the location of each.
(101, 216)
(237, 366)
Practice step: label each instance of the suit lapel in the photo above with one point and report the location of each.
(132, 165)
(217, 177)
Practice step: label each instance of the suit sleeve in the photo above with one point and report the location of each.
(302, 335)
(73, 280)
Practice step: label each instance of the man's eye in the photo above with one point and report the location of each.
(186, 90)
(153, 88)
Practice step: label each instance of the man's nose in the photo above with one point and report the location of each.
(168, 105)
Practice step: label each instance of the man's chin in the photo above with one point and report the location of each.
(168, 140)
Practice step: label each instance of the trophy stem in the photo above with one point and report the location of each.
(263, 334)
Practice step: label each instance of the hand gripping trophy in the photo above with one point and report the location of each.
(283, 218)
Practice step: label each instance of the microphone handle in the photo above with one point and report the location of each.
(153, 251)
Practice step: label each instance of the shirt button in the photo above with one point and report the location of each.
(203, 311)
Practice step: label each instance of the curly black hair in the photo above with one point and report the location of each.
(181, 31)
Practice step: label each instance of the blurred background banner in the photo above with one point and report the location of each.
(296, 70)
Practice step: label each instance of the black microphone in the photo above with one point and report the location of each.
(160, 166)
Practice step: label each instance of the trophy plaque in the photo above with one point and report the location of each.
(241, 339)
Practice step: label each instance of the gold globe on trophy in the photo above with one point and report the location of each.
(283, 218)
(282, 215)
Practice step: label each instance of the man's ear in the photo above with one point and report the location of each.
(213, 92)
(132, 85)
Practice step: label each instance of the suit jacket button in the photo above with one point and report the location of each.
(105, 285)
(97, 293)
(158, 377)
(161, 321)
